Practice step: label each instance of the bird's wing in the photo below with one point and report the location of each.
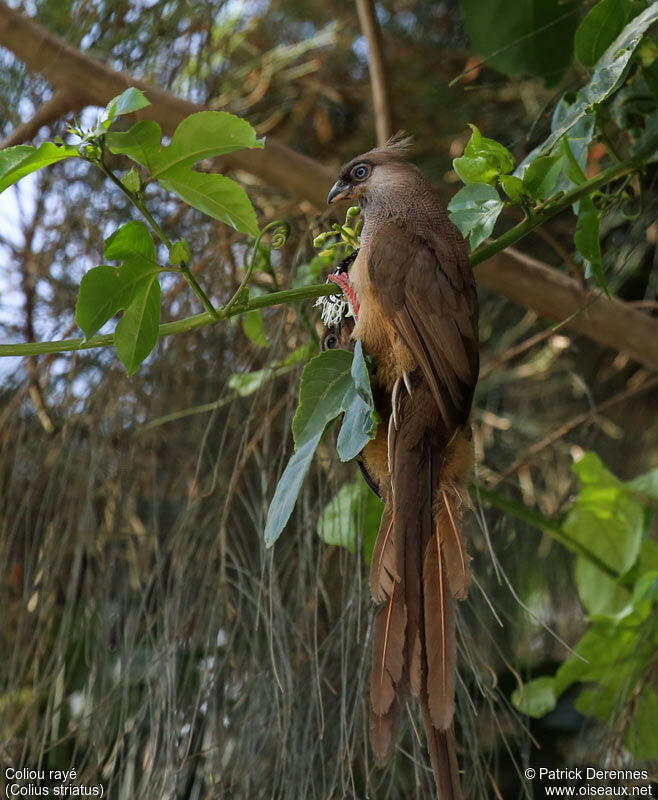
(426, 286)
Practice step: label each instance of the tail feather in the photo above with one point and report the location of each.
(388, 652)
(443, 756)
(448, 515)
(384, 569)
(439, 637)
(383, 730)
(419, 565)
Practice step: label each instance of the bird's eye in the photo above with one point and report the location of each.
(361, 171)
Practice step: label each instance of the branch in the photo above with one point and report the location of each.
(556, 296)
(519, 278)
(381, 87)
(63, 66)
(61, 103)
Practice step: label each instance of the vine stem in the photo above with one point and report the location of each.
(254, 255)
(139, 205)
(170, 328)
(483, 253)
(548, 211)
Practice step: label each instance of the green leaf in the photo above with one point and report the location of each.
(541, 177)
(606, 518)
(132, 241)
(125, 103)
(599, 593)
(608, 76)
(474, 210)
(369, 515)
(497, 154)
(179, 253)
(483, 160)
(288, 488)
(132, 181)
(246, 383)
(568, 166)
(102, 294)
(359, 372)
(337, 525)
(206, 134)
(217, 196)
(253, 327)
(355, 509)
(610, 651)
(475, 170)
(137, 332)
(332, 382)
(602, 25)
(587, 239)
(360, 420)
(537, 697)
(325, 380)
(641, 738)
(142, 143)
(17, 162)
(134, 286)
(526, 37)
(358, 427)
(513, 188)
(646, 484)
(574, 170)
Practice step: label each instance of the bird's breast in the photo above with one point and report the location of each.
(375, 328)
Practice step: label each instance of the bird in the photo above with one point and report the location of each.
(414, 301)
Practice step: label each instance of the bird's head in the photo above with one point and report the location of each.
(378, 170)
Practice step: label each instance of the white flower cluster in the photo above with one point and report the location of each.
(334, 308)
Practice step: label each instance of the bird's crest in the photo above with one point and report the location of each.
(398, 147)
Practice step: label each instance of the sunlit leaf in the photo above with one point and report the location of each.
(125, 103)
(206, 134)
(133, 287)
(217, 196)
(475, 170)
(17, 162)
(137, 331)
(605, 518)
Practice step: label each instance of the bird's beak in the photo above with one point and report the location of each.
(339, 191)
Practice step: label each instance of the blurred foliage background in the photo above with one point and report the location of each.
(149, 639)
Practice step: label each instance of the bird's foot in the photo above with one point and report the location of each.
(342, 280)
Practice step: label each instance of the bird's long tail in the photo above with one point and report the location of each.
(419, 564)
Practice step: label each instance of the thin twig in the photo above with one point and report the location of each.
(563, 430)
(514, 351)
(61, 103)
(381, 87)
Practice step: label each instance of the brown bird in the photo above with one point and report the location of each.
(412, 288)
